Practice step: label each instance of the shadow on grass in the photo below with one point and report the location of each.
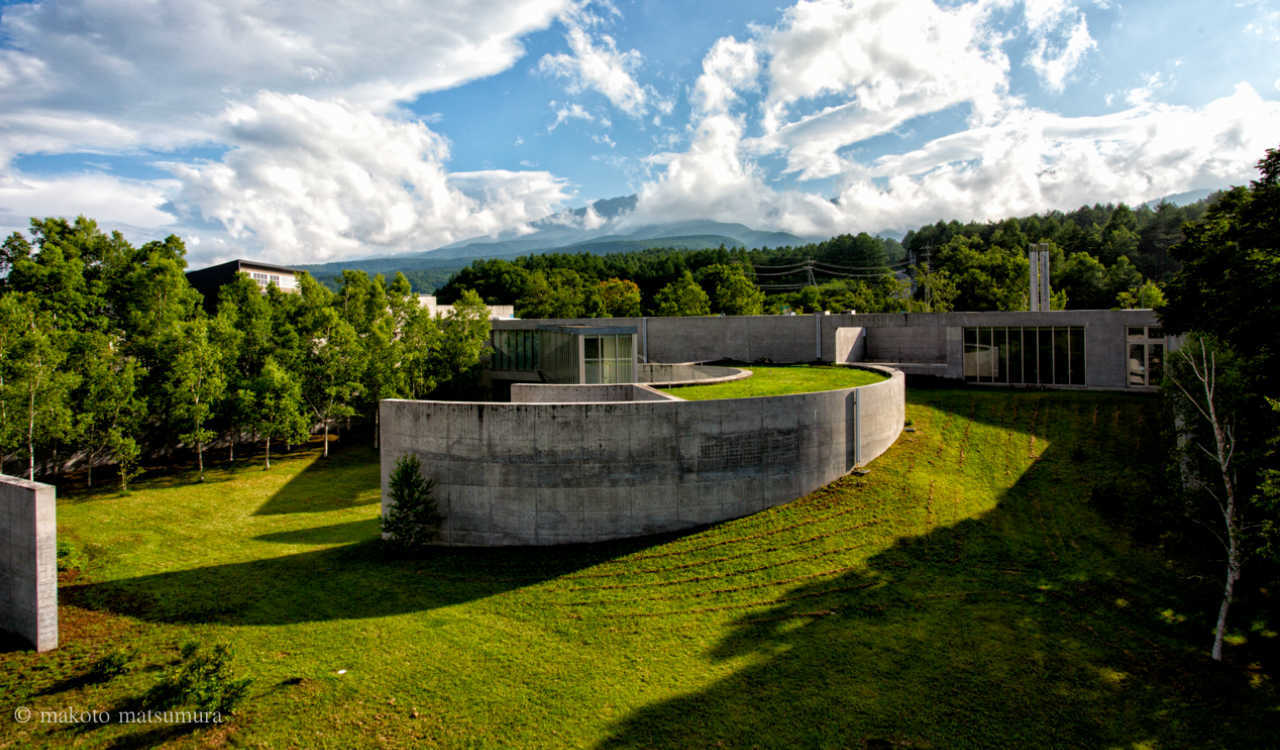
(338, 533)
(340, 481)
(1034, 625)
(354, 581)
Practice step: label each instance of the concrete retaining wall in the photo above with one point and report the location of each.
(524, 473)
(658, 373)
(29, 561)
(556, 393)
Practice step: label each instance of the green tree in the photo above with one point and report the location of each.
(413, 521)
(731, 291)
(459, 348)
(332, 361)
(1084, 279)
(1146, 296)
(108, 407)
(196, 382)
(37, 390)
(682, 298)
(281, 414)
(621, 298)
(560, 293)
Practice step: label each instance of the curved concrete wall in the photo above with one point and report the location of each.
(661, 373)
(540, 473)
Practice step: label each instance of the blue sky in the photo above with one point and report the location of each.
(327, 130)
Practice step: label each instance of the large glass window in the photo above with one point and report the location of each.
(607, 359)
(515, 350)
(1028, 356)
(1146, 356)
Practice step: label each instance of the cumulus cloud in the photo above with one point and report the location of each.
(1036, 160)
(594, 63)
(870, 55)
(573, 111)
(319, 180)
(1060, 40)
(1010, 159)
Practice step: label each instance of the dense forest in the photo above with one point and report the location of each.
(109, 356)
(1102, 256)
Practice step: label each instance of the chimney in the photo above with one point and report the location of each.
(1039, 277)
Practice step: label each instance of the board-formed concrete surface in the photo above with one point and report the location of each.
(555, 473)
(917, 343)
(29, 561)
(559, 393)
(689, 373)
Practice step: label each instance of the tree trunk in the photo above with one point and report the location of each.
(268, 452)
(31, 437)
(90, 479)
(326, 438)
(200, 457)
(377, 422)
(1233, 575)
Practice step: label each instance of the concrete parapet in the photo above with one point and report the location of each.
(551, 473)
(690, 373)
(29, 561)
(553, 393)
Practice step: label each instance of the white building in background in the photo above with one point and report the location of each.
(496, 312)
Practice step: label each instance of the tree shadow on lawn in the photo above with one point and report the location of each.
(332, 483)
(353, 581)
(1033, 625)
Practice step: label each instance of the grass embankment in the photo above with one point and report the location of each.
(963, 594)
(779, 380)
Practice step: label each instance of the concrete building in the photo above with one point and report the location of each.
(583, 469)
(209, 280)
(496, 312)
(1096, 349)
(582, 453)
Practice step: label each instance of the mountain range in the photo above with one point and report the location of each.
(597, 228)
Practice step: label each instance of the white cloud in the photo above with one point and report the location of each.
(136, 203)
(572, 111)
(315, 180)
(1036, 160)
(889, 60)
(604, 140)
(729, 66)
(595, 63)
(159, 71)
(1056, 59)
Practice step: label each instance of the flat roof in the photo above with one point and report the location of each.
(589, 330)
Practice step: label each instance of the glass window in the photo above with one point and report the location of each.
(1001, 362)
(1155, 364)
(1015, 355)
(1077, 355)
(984, 355)
(1030, 356)
(1137, 364)
(1155, 333)
(971, 354)
(1137, 333)
(592, 347)
(1061, 356)
(1045, 343)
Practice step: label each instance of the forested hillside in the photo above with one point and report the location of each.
(1102, 257)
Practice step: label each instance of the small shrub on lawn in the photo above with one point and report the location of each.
(70, 557)
(203, 680)
(112, 665)
(413, 522)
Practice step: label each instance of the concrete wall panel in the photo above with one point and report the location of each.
(596, 471)
(29, 561)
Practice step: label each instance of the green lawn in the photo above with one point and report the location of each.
(779, 380)
(965, 593)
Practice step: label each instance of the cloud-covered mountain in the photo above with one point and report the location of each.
(602, 227)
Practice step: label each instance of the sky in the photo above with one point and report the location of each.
(325, 130)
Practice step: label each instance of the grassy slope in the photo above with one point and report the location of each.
(770, 380)
(963, 594)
